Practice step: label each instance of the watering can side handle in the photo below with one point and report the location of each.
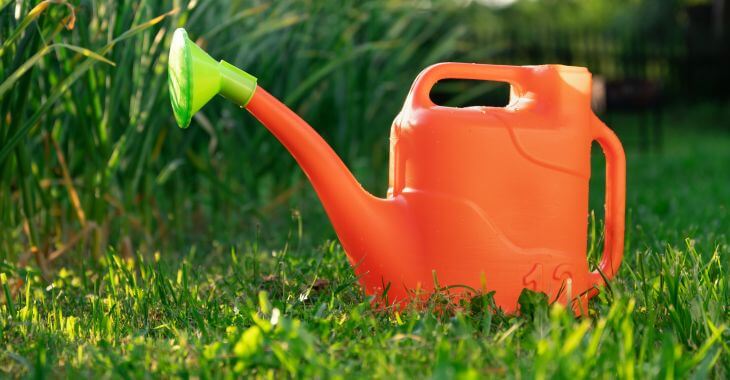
(613, 249)
(419, 94)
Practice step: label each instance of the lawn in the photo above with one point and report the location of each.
(295, 309)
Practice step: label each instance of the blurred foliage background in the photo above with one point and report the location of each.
(90, 156)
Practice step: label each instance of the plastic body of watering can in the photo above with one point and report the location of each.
(478, 196)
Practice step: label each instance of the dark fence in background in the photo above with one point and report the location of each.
(679, 64)
(706, 61)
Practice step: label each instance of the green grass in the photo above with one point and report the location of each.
(296, 310)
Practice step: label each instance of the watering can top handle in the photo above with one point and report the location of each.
(419, 95)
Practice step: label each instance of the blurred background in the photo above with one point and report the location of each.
(90, 156)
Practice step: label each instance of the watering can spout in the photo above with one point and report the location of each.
(366, 225)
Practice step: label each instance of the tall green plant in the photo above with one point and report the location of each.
(89, 152)
(62, 67)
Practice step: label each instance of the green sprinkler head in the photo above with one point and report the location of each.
(194, 78)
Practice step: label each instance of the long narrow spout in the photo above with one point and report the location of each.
(351, 208)
(378, 234)
(195, 78)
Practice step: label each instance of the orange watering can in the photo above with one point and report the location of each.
(479, 196)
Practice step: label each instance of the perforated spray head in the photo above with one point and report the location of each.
(194, 78)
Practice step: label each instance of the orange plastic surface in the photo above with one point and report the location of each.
(493, 197)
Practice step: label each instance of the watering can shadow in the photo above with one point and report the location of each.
(492, 198)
